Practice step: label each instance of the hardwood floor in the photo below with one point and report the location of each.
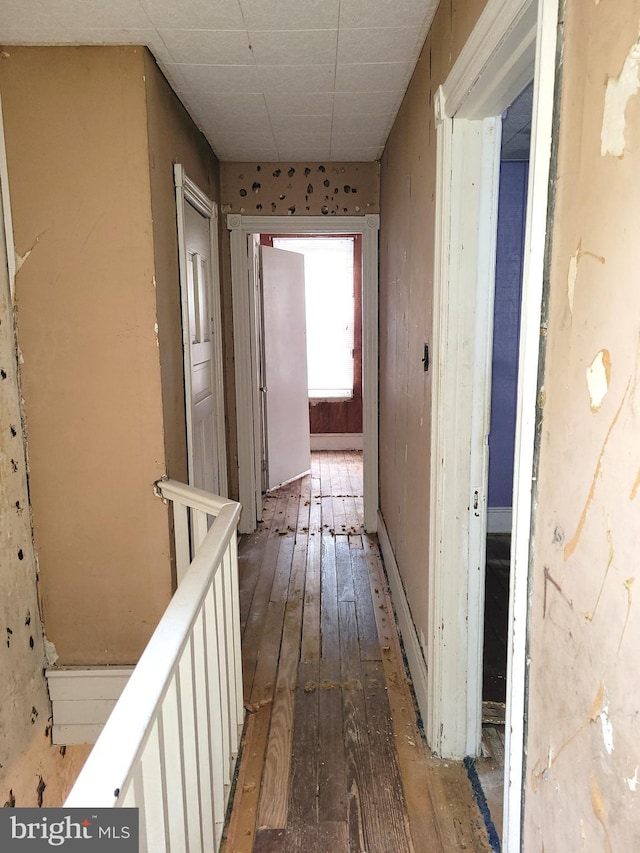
(332, 756)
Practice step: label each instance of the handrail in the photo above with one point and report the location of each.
(181, 711)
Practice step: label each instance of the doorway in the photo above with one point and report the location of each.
(246, 339)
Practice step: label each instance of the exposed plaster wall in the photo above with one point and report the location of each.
(77, 149)
(407, 192)
(582, 781)
(284, 189)
(173, 138)
(32, 771)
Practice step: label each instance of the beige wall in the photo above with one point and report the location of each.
(77, 152)
(31, 769)
(173, 138)
(584, 721)
(407, 188)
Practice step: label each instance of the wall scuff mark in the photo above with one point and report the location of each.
(619, 91)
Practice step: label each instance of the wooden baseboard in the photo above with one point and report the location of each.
(82, 699)
(336, 441)
(412, 647)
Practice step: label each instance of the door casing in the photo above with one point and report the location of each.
(513, 42)
(245, 341)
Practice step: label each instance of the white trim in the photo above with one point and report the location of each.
(188, 192)
(494, 65)
(534, 257)
(82, 699)
(336, 441)
(244, 331)
(6, 208)
(412, 647)
(499, 519)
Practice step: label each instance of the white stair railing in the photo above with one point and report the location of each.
(170, 744)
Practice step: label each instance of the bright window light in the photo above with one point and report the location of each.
(328, 271)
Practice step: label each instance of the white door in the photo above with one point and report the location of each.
(285, 366)
(204, 473)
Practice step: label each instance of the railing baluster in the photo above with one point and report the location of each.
(170, 742)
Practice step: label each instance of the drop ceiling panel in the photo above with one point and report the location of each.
(263, 79)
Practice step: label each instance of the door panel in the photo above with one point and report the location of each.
(201, 386)
(285, 366)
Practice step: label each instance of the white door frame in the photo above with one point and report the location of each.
(512, 39)
(188, 192)
(245, 337)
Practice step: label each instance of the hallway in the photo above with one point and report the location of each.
(332, 757)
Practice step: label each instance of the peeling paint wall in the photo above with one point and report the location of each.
(77, 150)
(32, 771)
(581, 786)
(407, 190)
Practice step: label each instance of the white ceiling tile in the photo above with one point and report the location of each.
(43, 34)
(373, 77)
(297, 78)
(229, 139)
(175, 76)
(100, 14)
(304, 154)
(290, 14)
(378, 124)
(301, 124)
(239, 102)
(299, 103)
(294, 47)
(363, 139)
(234, 122)
(400, 13)
(208, 47)
(110, 35)
(364, 155)
(367, 103)
(238, 152)
(207, 79)
(382, 44)
(195, 14)
(301, 140)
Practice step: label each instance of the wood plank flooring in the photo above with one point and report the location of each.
(332, 756)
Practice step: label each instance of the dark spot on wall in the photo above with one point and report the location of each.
(9, 635)
(558, 536)
(34, 713)
(63, 750)
(326, 182)
(31, 642)
(282, 196)
(47, 730)
(292, 210)
(11, 802)
(277, 173)
(258, 168)
(14, 431)
(243, 192)
(347, 188)
(291, 172)
(20, 554)
(307, 172)
(324, 210)
(116, 793)
(307, 207)
(258, 207)
(14, 466)
(321, 169)
(3, 373)
(345, 209)
(273, 207)
(27, 621)
(336, 191)
(354, 190)
(310, 188)
(40, 791)
(256, 187)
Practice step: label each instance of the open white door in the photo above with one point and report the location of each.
(285, 366)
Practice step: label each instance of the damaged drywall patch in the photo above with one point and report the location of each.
(571, 278)
(607, 727)
(633, 781)
(618, 92)
(598, 378)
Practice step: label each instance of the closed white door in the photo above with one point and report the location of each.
(286, 392)
(198, 340)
